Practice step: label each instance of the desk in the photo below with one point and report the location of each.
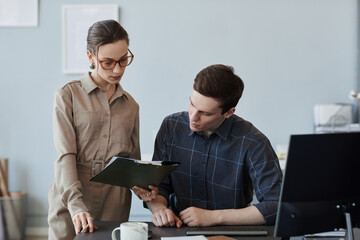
(105, 229)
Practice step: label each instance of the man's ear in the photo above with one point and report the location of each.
(229, 113)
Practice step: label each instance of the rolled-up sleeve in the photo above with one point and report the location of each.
(266, 176)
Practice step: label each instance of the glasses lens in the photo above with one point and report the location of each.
(107, 65)
(125, 61)
(130, 57)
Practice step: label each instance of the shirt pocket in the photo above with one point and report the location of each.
(122, 128)
(88, 125)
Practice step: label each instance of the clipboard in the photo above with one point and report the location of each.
(127, 172)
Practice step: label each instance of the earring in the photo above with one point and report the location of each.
(92, 67)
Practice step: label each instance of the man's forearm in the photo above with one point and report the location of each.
(157, 204)
(245, 216)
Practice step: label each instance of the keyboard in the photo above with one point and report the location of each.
(227, 230)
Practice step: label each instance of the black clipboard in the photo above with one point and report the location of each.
(126, 172)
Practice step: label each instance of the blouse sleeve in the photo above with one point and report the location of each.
(66, 178)
(135, 153)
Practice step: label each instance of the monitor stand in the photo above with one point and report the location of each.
(349, 232)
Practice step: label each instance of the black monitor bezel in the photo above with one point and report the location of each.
(298, 215)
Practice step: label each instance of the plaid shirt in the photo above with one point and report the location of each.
(222, 170)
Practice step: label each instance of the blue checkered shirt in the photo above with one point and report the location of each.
(222, 170)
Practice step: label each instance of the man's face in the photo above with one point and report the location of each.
(205, 113)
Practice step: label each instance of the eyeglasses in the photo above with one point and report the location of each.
(123, 62)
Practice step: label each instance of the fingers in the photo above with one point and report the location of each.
(77, 225)
(154, 189)
(193, 216)
(186, 218)
(144, 194)
(185, 215)
(190, 216)
(84, 229)
(90, 221)
(166, 217)
(178, 222)
(157, 219)
(83, 222)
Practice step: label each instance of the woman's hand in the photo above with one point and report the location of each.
(145, 195)
(83, 222)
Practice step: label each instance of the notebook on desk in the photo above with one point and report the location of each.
(228, 230)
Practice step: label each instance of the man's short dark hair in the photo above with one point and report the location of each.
(220, 82)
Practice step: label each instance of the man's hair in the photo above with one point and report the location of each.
(104, 32)
(220, 82)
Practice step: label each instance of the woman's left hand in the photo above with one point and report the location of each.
(144, 194)
(83, 222)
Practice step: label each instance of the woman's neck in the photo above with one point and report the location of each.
(107, 87)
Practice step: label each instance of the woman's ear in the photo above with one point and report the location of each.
(229, 113)
(90, 56)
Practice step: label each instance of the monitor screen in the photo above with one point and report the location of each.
(322, 176)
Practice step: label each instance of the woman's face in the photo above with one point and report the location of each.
(107, 53)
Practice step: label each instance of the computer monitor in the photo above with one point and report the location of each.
(321, 186)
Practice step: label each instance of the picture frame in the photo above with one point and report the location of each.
(19, 13)
(76, 20)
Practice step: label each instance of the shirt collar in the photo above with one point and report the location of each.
(119, 92)
(89, 86)
(87, 83)
(222, 131)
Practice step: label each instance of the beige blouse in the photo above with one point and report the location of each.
(88, 131)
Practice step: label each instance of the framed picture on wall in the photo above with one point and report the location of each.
(19, 13)
(76, 21)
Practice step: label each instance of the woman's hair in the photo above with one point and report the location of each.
(104, 32)
(220, 82)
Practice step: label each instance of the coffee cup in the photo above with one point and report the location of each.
(131, 231)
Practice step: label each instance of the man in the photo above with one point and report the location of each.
(223, 159)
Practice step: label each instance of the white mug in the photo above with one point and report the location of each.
(131, 231)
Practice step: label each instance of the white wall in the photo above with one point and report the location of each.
(291, 55)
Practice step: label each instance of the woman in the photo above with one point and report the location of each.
(94, 120)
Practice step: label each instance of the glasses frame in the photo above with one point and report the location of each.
(119, 62)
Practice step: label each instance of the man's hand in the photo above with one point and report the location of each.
(165, 217)
(194, 216)
(145, 195)
(83, 222)
(161, 215)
